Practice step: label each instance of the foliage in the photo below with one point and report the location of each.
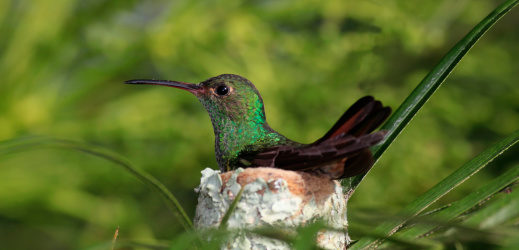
(63, 64)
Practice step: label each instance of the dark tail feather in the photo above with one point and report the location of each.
(374, 119)
(362, 118)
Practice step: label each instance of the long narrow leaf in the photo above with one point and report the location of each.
(466, 203)
(495, 235)
(503, 209)
(402, 242)
(23, 144)
(433, 80)
(232, 207)
(442, 188)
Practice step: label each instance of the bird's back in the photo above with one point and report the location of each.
(342, 152)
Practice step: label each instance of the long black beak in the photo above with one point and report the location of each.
(193, 88)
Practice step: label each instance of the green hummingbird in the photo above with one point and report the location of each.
(244, 139)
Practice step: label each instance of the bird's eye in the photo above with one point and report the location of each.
(222, 90)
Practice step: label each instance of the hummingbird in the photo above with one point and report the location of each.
(244, 139)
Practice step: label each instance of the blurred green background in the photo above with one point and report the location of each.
(62, 64)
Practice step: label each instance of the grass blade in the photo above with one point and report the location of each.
(466, 203)
(22, 144)
(232, 207)
(503, 209)
(433, 80)
(442, 188)
(399, 241)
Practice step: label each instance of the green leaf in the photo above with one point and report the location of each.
(501, 210)
(23, 144)
(442, 188)
(401, 117)
(399, 241)
(232, 207)
(463, 205)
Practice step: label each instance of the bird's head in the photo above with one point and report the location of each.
(225, 97)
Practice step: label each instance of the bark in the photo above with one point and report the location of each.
(271, 197)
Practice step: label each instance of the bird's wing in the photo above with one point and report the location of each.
(309, 157)
(342, 152)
